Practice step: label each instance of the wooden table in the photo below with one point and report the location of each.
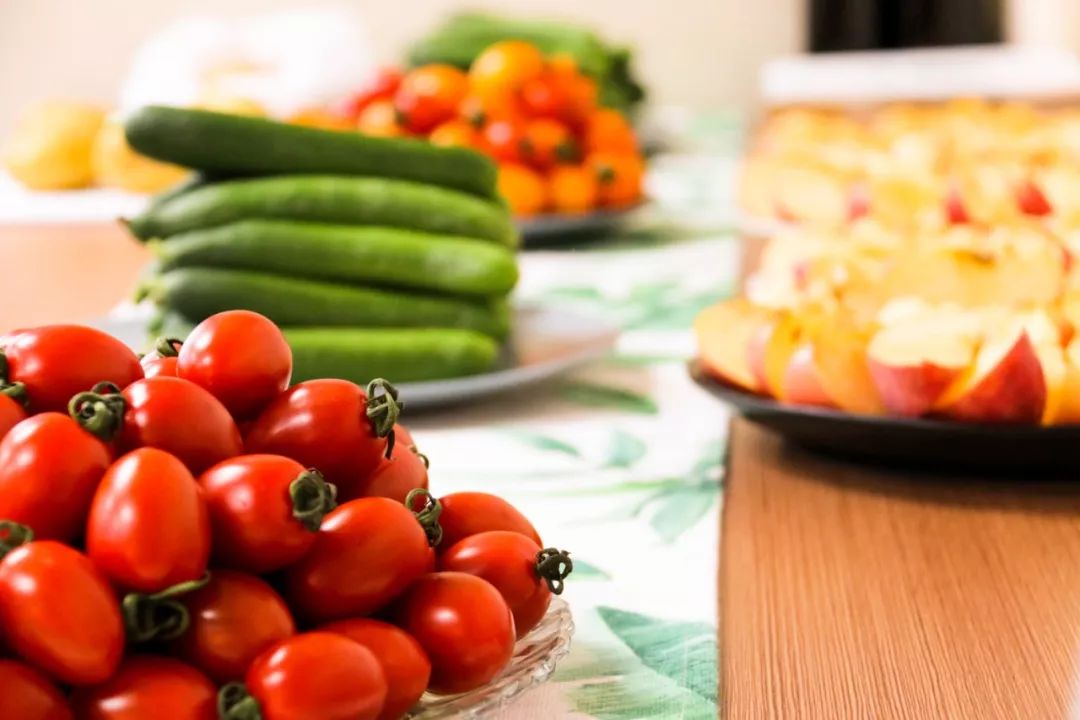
(850, 592)
(65, 272)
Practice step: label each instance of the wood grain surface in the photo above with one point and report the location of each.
(851, 592)
(65, 272)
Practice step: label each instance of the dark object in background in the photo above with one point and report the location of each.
(887, 24)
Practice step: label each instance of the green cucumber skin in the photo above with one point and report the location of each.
(378, 256)
(403, 355)
(235, 144)
(199, 292)
(330, 199)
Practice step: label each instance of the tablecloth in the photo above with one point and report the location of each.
(622, 462)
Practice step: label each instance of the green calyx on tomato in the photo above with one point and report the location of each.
(553, 566)
(99, 411)
(15, 390)
(12, 535)
(161, 616)
(168, 346)
(383, 410)
(428, 515)
(312, 498)
(236, 703)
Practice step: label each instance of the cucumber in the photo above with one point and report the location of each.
(237, 144)
(199, 292)
(330, 199)
(378, 256)
(403, 355)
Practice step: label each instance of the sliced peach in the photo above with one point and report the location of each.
(1031, 200)
(843, 369)
(756, 352)
(955, 209)
(1005, 384)
(912, 365)
(1067, 407)
(723, 333)
(801, 384)
(809, 194)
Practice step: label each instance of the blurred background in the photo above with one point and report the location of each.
(702, 53)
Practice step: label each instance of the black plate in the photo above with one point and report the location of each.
(553, 229)
(931, 444)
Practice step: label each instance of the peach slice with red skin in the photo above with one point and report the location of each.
(1031, 200)
(724, 332)
(913, 364)
(1005, 384)
(843, 369)
(801, 384)
(1067, 409)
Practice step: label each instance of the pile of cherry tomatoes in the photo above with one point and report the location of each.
(188, 537)
(538, 117)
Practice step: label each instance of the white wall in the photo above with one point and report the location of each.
(698, 52)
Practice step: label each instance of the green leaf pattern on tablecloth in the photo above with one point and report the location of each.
(621, 464)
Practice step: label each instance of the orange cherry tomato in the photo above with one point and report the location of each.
(619, 178)
(504, 139)
(469, 513)
(148, 527)
(26, 694)
(505, 65)
(454, 133)
(608, 130)
(379, 119)
(464, 626)
(322, 118)
(572, 189)
(233, 619)
(524, 575)
(479, 109)
(579, 92)
(548, 142)
(58, 612)
(404, 663)
(429, 95)
(523, 188)
(148, 686)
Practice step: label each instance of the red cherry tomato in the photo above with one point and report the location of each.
(365, 554)
(332, 425)
(382, 87)
(167, 413)
(147, 686)
(429, 95)
(148, 527)
(396, 476)
(11, 413)
(404, 664)
(57, 361)
(233, 619)
(26, 694)
(471, 513)
(524, 575)
(547, 143)
(464, 626)
(504, 139)
(58, 612)
(49, 469)
(241, 357)
(316, 676)
(162, 360)
(544, 96)
(265, 511)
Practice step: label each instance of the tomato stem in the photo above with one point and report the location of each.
(168, 346)
(312, 497)
(553, 566)
(12, 535)
(422, 456)
(14, 390)
(428, 515)
(100, 411)
(161, 616)
(383, 410)
(235, 703)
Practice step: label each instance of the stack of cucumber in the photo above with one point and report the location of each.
(377, 256)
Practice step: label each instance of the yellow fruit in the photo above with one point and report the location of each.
(117, 165)
(51, 146)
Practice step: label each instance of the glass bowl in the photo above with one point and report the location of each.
(535, 658)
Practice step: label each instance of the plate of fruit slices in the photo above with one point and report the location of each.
(546, 342)
(554, 229)
(923, 443)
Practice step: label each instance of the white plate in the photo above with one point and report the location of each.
(546, 342)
